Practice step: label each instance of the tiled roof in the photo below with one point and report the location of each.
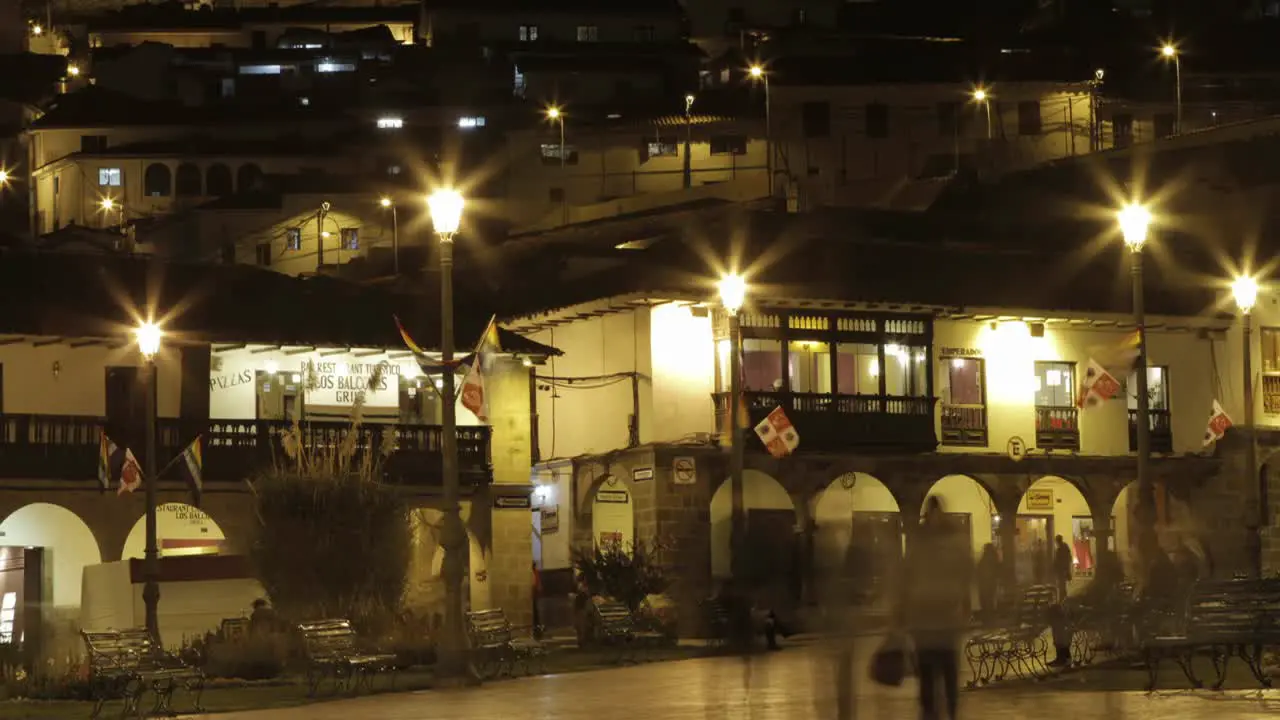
(90, 295)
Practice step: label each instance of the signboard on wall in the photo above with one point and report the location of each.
(684, 471)
(642, 474)
(613, 496)
(184, 513)
(550, 520)
(330, 380)
(512, 502)
(1040, 499)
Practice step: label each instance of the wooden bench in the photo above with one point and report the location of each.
(1014, 643)
(616, 628)
(332, 651)
(1101, 624)
(495, 645)
(126, 663)
(719, 622)
(1236, 618)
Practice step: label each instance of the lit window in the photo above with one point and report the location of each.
(390, 123)
(1055, 385)
(259, 69)
(662, 149)
(109, 177)
(304, 101)
(528, 33)
(468, 122)
(809, 365)
(588, 33)
(335, 67)
(8, 614)
(518, 84)
(350, 238)
(293, 239)
(551, 153)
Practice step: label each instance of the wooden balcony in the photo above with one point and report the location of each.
(1058, 428)
(964, 425)
(66, 447)
(1161, 431)
(834, 423)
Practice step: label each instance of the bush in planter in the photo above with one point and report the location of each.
(625, 572)
(260, 656)
(332, 539)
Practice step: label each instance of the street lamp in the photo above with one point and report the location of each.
(108, 204)
(388, 204)
(733, 293)
(1170, 52)
(981, 96)
(555, 115)
(4, 178)
(1135, 222)
(148, 335)
(1245, 291)
(757, 73)
(446, 215)
(73, 70)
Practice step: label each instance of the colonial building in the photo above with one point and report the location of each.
(245, 352)
(909, 369)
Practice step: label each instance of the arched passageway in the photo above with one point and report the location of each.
(1050, 508)
(68, 543)
(856, 520)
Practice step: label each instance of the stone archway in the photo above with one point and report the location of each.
(973, 505)
(181, 529)
(1053, 506)
(69, 546)
(1176, 527)
(770, 533)
(856, 518)
(613, 515)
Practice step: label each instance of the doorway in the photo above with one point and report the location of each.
(1033, 549)
(279, 395)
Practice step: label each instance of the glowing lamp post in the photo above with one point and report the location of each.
(733, 293)
(388, 204)
(1245, 292)
(148, 336)
(1170, 52)
(446, 215)
(758, 74)
(1135, 223)
(980, 96)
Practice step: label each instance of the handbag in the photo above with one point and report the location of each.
(889, 662)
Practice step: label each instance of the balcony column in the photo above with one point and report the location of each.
(1007, 539)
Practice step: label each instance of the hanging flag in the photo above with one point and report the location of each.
(1219, 421)
(130, 473)
(489, 339)
(192, 466)
(109, 459)
(408, 341)
(473, 397)
(778, 434)
(1097, 386)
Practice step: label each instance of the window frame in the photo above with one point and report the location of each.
(111, 172)
(964, 436)
(349, 238)
(588, 33)
(293, 238)
(528, 33)
(1071, 384)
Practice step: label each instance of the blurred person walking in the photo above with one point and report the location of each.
(1062, 566)
(934, 593)
(988, 577)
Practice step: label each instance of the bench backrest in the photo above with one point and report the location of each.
(614, 617)
(488, 627)
(1234, 608)
(328, 638)
(1033, 605)
(118, 649)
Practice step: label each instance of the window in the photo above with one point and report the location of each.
(1270, 341)
(1157, 389)
(551, 153)
(661, 148)
(964, 400)
(93, 143)
(228, 87)
(390, 123)
(1029, 120)
(948, 119)
(1055, 385)
(644, 33)
(761, 364)
(264, 254)
(1163, 124)
(335, 67)
(110, 177)
(157, 181)
(588, 33)
(809, 366)
(906, 374)
(470, 122)
(187, 181)
(518, 83)
(217, 180)
(349, 238)
(857, 369)
(728, 145)
(815, 119)
(8, 617)
(1122, 130)
(259, 69)
(528, 33)
(293, 239)
(877, 118)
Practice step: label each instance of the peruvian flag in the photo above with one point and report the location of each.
(1218, 424)
(1098, 386)
(778, 434)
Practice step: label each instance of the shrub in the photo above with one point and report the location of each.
(261, 656)
(332, 540)
(627, 573)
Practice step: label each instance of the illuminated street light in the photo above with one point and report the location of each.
(388, 204)
(980, 95)
(1245, 291)
(1135, 221)
(757, 73)
(37, 30)
(107, 204)
(4, 178)
(1170, 52)
(73, 70)
(148, 336)
(385, 202)
(446, 207)
(553, 113)
(733, 292)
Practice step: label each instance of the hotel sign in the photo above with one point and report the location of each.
(959, 352)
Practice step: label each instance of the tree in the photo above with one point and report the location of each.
(626, 572)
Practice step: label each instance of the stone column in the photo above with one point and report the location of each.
(683, 516)
(508, 543)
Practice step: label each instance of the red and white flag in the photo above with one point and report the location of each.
(1097, 386)
(1219, 421)
(473, 397)
(778, 434)
(130, 474)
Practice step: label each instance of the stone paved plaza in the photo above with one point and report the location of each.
(795, 684)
